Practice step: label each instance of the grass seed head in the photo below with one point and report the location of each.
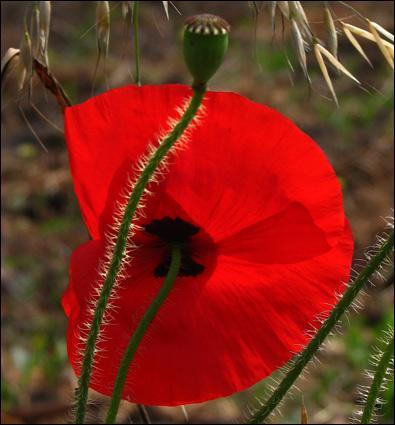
(381, 45)
(26, 61)
(331, 31)
(272, 8)
(103, 26)
(324, 70)
(284, 8)
(166, 7)
(355, 43)
(10, 58)
(383, 31)
(44, 9)
(300, 47)
(336, 63)
(127, 9)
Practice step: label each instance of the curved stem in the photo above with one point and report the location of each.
(307, 354)
(377, 381)
(136, 9)
(142, 327)
(120, 247)
(51, 83)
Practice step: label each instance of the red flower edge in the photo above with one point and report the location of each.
(272, 241)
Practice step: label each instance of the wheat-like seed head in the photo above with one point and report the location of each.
(103, 27)
(44, 15)
(127, 9)
(304, 40)
(331, 32)
(292, 12)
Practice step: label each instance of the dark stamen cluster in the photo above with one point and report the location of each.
(171, 231)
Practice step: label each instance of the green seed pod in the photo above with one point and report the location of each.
(205, 45)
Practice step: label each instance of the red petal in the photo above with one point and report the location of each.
(107, 134)
(272, 207)
(217, 333)
(244, 163)
(287, 237)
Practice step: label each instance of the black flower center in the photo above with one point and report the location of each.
(175, 230)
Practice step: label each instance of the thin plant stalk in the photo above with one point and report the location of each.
(136, 9)
(140, 331)
(377, 382)
(120, 247)
(329, 324)
(144, 414)
(52, 84)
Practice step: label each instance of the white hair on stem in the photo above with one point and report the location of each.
(364, 390)
(111, 235)
(318, 320)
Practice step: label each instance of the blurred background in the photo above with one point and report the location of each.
(41, 223)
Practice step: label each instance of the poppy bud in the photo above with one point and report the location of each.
(205, 44)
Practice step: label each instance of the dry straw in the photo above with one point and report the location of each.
(305, 41)
(127, 9)
(355, 43)
(304, 417)
(8, 61)
(389, 47)
(380, 43)
(300, 47)
(291, 12)
(166, 7)
(26, 60)
(102, 24)
(331, 31)
(44, 22)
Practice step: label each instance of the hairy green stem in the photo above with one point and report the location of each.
(120, 247)
(136, 10)
(377, 381)
(306, 355)
(140, 331)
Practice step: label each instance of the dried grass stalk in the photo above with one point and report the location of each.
(331, 31)
(381, 45)
(300, 47)
(355, 43)
(26, 61)
(325, 73)
(103, 26)
(383, 31)
(127, 9)
(297, 12)
(304, 418)
(49, 81)
(337, 64)
(52, 84)
(44, 9)
(10, 58)
(102, 36)
(272, 9)
(166, 7)
(284, 8)
(366, 34)
(35, 29)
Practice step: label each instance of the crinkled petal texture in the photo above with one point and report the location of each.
(274, 242)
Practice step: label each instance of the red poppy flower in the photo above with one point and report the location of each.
(267, 245)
